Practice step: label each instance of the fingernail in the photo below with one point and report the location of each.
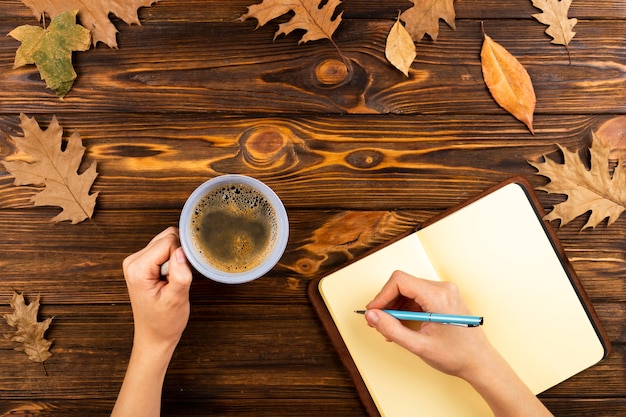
(180, 256)
(371, 317)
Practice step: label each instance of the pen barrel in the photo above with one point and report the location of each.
(459, 320)
(470, 321)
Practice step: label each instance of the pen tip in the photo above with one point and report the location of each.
(360, 311)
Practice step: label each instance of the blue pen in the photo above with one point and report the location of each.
(458, 320)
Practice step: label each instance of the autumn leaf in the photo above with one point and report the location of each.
(400, 48)
(423, 17)
(51, 50)
(508, 82)
(50, 165)
(316, 21)
(93, 14)
(555, 16)
(594, 189)
(29, 332)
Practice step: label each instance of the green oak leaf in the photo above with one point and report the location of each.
(51, 49)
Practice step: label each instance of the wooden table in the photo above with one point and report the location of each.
(357, 157)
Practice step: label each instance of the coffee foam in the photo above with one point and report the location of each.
(230, 201)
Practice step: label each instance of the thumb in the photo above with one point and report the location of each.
(180, 274)
(392, 329)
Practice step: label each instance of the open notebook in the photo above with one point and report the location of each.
(509, 268)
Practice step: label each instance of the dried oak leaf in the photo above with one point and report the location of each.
(316, 21)
(423, 17)
(51, 50)
(29, 332)
(508, 81)
(555, 16)
(50, 165)
(400, 48)
(93, 14)
(594, 189)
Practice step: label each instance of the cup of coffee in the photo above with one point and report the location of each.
(233, 229)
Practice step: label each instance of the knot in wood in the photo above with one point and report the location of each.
(268, 147)
(331, 72)
(365, 158)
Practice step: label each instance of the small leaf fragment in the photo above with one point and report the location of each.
(555, 16)
(508, 81)
(612, 133)
(48, 164)
(29, 332)
(51, 50)
(593, 189)
(400, 49)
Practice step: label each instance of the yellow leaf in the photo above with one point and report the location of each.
(593, 189)
(400, 48)
(316, 21)
(29, 332)
(508, 82)
(50, 165)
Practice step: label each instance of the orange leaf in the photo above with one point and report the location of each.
(508, 82)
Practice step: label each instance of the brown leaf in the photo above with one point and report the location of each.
(508, 82)
(50, 165)
(423, 17)
(400, 48)
(93, 14)
(317, 22)
(593, 189)
(555, 16)
(29, 333)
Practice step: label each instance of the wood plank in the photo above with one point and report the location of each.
(152, 161)
(214, 10)
(90, 340)
(283, 77)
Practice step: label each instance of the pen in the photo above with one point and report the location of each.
(467, 321)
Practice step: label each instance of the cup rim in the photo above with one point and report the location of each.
(234, 277)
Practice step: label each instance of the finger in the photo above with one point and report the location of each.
(421, 291)
(180, 275)
(399, 284)
(169, 231)
(394, 331)
(148, 261)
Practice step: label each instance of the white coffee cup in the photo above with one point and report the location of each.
(233, 229)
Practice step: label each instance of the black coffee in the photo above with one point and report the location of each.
(234, 228)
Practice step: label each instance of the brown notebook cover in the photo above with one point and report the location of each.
(372, 401)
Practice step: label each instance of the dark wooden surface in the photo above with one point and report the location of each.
(193, 93)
